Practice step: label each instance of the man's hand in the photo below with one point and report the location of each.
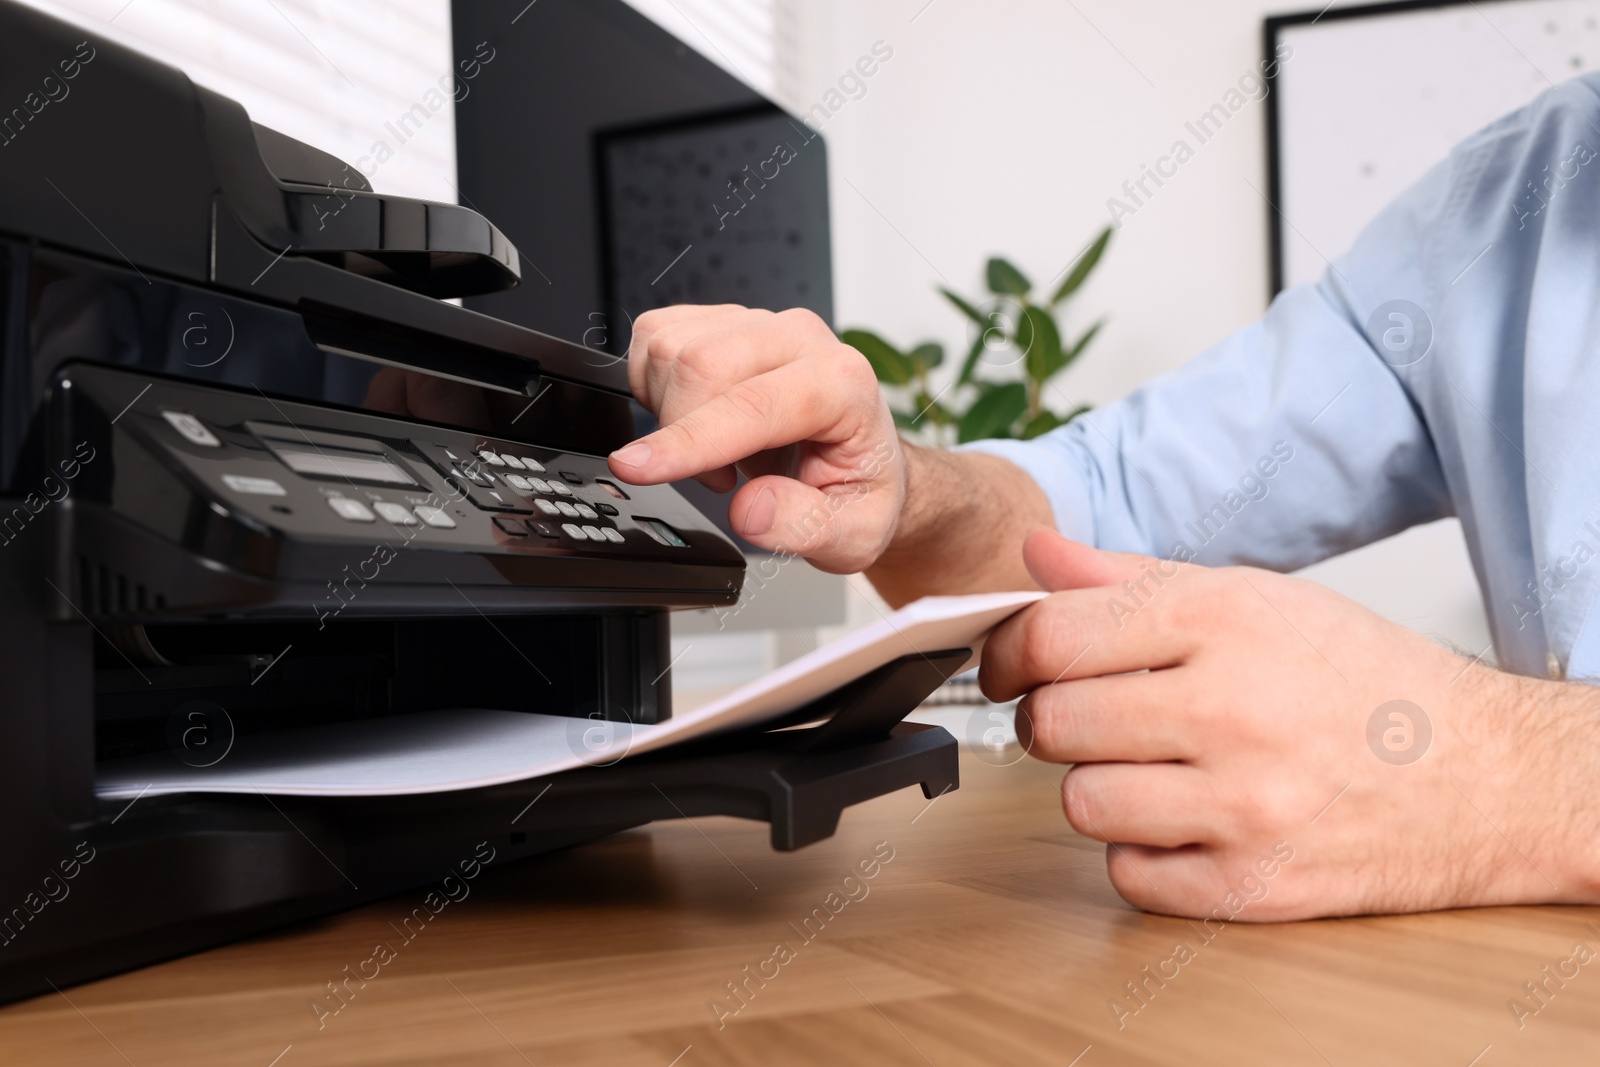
(1235, 742)
(780, 399)
(734, 387)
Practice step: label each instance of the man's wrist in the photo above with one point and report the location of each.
(899, 556)
(1558, 790)
(960, 526)
(917, 508)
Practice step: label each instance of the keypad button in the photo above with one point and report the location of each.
(543, 529)
(560, 489)
(594, 533)
(605, 509)
(574, 532)
(511, 461)
(533, 465)
(539, 485)
(398, 514)
(519, 482)
(193, 430)
(614, 536)
(567, 509)
(513, 527)
(506, 501)
(570, 478)
(491, 458)
(547, 507)
(435, 517)
(586, 511)
(351, 510)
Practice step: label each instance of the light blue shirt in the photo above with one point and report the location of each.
(1448, 364)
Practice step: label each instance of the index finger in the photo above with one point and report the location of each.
(792, 403)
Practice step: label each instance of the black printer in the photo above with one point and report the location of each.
(257, 472)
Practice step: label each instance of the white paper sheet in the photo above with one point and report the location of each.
(467, 748)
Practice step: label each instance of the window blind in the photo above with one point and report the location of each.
(752, 39)
(337, 74)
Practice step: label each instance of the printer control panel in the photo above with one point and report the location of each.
(320, 474)
(463, 491)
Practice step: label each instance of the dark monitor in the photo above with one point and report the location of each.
(631, 172)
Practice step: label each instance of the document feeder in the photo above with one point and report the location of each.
(259, 474)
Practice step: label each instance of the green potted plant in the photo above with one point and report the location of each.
(1018, 347)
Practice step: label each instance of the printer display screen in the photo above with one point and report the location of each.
(322, 461)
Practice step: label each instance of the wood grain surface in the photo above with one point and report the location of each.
(987, 933)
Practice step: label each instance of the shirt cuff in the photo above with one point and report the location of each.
(1058, 469)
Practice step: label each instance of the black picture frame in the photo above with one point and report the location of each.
(1271, 27)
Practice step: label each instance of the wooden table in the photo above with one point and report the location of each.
(991, 937)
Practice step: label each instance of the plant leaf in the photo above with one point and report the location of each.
(927, 356)
(1065, 359)
(1040, 342)
(1006, 280)
(888, 363)
(970, 364)
(903, 420)
(1041, 423)
(932, 412)
(1083, 268)
(1078, 346)
(995, 413)
(964, 307)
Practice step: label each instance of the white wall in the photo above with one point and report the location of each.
(1003, 127)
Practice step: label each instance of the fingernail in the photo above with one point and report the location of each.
(762, 514)
(634, 455)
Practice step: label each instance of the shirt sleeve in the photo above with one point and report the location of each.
(1292, 440)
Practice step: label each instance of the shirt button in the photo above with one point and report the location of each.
(1552, 666)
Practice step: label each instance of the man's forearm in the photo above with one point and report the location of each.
(961, 528)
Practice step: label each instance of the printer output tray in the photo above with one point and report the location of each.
(176, 874)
